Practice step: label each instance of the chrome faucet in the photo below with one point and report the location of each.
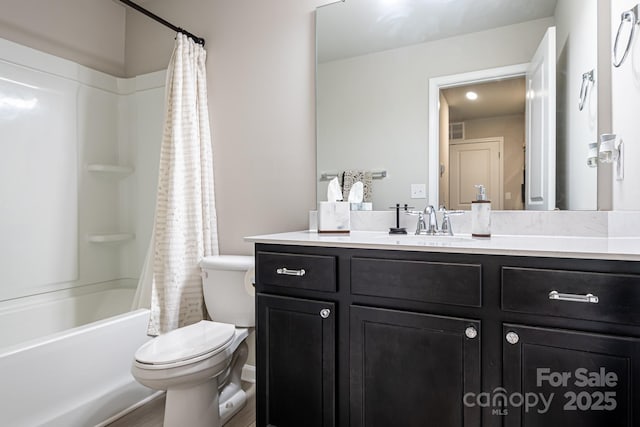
(427, 221)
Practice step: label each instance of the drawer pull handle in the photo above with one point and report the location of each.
(324, 313)
(589, 298)
(288, 272)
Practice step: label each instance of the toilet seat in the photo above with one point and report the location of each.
(185, 345)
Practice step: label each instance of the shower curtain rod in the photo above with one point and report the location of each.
(163, 22)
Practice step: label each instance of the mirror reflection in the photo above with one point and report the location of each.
(392, 79)
(482, 139)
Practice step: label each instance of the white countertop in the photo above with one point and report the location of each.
(613, 248)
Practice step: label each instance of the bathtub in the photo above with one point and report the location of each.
(71, 377)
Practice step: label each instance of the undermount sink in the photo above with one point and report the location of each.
(426, 239)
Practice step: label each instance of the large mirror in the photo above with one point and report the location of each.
(426, 98)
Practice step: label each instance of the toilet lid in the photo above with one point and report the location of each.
(186, 343)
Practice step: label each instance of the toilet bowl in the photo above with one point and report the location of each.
(200, 365)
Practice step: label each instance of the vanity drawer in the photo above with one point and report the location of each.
(603, 297)
(431, 282)
(312, 272)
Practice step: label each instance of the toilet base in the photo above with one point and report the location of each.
(198, 406)
(232, 405)
(195, 406)
(232, 398)
(214, 401)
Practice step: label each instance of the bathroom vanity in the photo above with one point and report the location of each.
(371, 330)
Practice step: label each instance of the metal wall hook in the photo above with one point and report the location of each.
(631, 16)
(587, 80)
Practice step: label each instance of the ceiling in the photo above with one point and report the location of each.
(357, 27)
(497, 98)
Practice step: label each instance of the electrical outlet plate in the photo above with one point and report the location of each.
(418, 191)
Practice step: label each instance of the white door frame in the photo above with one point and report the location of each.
(540, 126)
(454, 80)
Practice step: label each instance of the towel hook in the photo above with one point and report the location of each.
(632, 16)
(587, 80)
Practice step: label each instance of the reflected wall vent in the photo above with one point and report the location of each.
(456, 130)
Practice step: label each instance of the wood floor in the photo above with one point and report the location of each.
(152, 414)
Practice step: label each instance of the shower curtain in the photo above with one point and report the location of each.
(185, 226)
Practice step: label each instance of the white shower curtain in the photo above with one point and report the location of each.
(185, 226)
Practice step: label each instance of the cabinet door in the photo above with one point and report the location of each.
(295, 362)
(412, 370)
(588, 380)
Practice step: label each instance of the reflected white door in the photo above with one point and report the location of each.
(540, 177)
(471, 162)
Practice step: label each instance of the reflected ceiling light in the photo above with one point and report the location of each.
(471, 96)
(17, 103)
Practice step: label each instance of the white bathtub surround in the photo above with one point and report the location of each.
(38, 174)
(532, 223)
(75, 378)
(63, 278)
(185, 226)
(91, 119)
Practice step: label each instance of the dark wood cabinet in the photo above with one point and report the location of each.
(435, 282)
(412, 369)
(526, 290)
(444, 339)
(569, 378)
(296, 368)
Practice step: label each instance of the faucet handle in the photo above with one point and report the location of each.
(446, 220)
(443, 209)
(452, 213)
(421, 225)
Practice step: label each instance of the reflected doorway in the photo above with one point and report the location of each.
(485, 143)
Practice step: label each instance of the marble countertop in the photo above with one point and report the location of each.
(613, 248)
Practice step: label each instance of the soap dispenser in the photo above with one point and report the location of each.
(481, 214)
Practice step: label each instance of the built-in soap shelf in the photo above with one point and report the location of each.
(110, 237)
(112, 169)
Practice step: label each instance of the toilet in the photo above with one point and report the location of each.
(200, 365)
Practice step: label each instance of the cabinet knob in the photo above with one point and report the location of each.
(471, 332)
(324, 313)
(512, 338)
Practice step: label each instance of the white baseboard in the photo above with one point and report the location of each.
(249, 373)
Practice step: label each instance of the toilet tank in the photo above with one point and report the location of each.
(227, 284)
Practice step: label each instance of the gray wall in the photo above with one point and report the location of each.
(576, 21)
(261, 57)
(89, 32)
(625, 82)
